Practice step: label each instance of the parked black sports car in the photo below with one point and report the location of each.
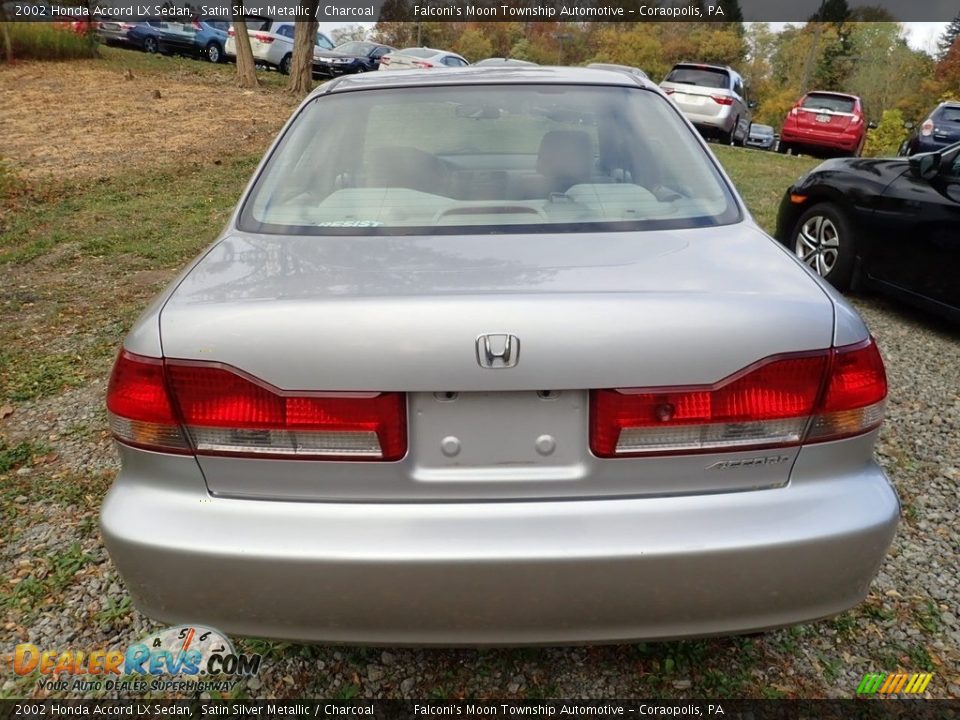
(888, 224)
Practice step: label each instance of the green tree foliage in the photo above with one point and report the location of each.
(948, 38)
(860, 51)
(474, 45)
(832, 11)
(886, 138)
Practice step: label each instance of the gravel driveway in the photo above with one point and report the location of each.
(61, 589)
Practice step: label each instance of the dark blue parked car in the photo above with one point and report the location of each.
(145, 36)
(940, 129)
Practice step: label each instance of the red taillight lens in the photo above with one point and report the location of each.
(722, 99)
(422, 64)
(779, 401)
(853, 400)
(181, 406)
(231, 32)
(261, 37)
(139, 407)
(669, 91)
(227, 412)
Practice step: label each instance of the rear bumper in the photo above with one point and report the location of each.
(722, 121)
(495, 573)
(835, 141)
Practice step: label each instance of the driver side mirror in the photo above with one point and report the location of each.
(871, 125)
(752, 104)
(925, 166)
(909, 125)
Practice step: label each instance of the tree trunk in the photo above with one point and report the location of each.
(305, 37)
(7, 45)
(246, 69)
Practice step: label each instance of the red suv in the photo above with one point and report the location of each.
(825, 122)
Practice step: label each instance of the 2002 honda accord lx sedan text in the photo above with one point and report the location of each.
(496, 356)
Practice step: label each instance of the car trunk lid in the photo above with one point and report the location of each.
(670, 308)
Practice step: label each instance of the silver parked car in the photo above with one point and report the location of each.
(421, 59)
(527, 373)
(713, 97)
(762, 137)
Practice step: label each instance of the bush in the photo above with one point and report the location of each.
(886, 138)
(48, 41)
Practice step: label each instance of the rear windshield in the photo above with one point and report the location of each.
(704, 77)
(949, 114)
(761, 129)
(490, 158)
(833, 103)
(355, 48)
(419, 52)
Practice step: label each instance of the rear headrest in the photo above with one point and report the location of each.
(566, 156)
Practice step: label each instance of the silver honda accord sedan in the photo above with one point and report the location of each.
(496, 357)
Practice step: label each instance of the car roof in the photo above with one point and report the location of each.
(485, 76)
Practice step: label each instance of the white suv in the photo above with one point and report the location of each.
(272, 42)
(713, 98)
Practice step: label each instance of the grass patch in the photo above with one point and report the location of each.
(174, 67)
(20, 454)
(9, 182)
(26, 376)
(49, 577)
(762, 178)
(136, 215)
(46, 41)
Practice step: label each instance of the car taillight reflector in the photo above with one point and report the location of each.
(722, 99)
(779, 401)
(213, 409)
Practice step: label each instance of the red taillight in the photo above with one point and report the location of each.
(927, 128)
(853, 399)
(669, 91)
(139, 406)
(262, 37)
(722, 99)
(213, 409)
(780, 401)
(231, 32)
(422, 64)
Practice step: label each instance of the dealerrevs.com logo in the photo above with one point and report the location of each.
(172, 660)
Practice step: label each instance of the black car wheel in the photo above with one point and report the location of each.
(150, 45)
(284, 66)
(361, 68)
(823, 239)
(214, 53)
